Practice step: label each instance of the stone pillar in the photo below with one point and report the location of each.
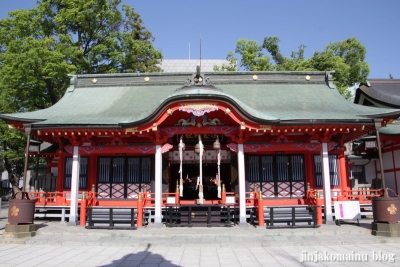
(326, 183)
(242, 187)
(73, 216)
(157, 189)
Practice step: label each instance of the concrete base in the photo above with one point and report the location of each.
(386, 229)
(72, 223)
(244, 225)
(19, 231)
(158, 225)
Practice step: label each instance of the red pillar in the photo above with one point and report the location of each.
(60, 173)
(177, 195)
(49, 164)
(92, 172)
(310, 169)
(223, 194)
(139, 220)
(344, 181)
(82, 221)
(319, 202)
(260, 209)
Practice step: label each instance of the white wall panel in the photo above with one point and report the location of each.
(387, 160)
(370, 171)
(398, 182)
(390, 183)
(397, 158)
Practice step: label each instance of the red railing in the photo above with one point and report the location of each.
(50, 198)
(362, 195)
(61, 198)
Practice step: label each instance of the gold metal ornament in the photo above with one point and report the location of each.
(392, 209)
(14, 211)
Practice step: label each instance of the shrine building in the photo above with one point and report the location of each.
(240, 139)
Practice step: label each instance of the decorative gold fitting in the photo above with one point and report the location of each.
(14, 211)
(146, 79)
(308, 187)
(223, 188)
(140, 196)
(177, 189)
(93, 188)
(131, 130)
(260, 195)
(255, 77)
(94, 80)
(227, 111)
(265, 127)
(317, 194)
(392, 209)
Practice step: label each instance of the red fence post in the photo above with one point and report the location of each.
(139, 219)
(177, 194)
(319, 202)
(260, 209)
(223, 194)
(82, 221)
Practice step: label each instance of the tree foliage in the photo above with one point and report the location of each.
(346, 58)
(231, 66)
(41, 46)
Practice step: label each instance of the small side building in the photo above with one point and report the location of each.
(381, 93)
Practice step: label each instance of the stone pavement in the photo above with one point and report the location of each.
(57, 244)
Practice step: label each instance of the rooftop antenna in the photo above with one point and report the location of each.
(200, 51)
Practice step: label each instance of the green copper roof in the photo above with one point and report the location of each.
(270, 97)
(391, 129)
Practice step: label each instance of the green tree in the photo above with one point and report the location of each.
(41, 46)
(231, 66)
(346, 58)
(12, 154)
(109, 40)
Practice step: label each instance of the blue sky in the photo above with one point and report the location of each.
(314, 23)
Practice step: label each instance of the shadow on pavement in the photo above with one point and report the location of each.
(42, 225)
(142, 258)
(362, 224)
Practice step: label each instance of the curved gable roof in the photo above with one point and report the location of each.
(380, 92)
(270, 97)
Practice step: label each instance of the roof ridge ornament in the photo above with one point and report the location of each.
(72, 83)
(329, 79)
(198, 80)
